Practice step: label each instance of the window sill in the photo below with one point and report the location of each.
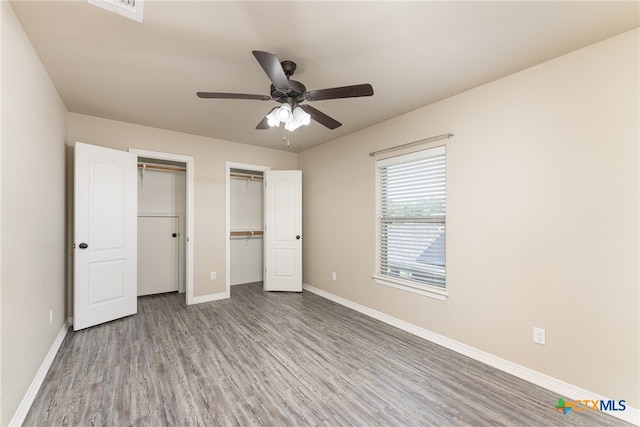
(427, 291)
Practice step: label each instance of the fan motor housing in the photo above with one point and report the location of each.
(297, 89)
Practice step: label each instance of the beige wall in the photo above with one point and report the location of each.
(210, 157)
(33, 208)
(543, 226)
(543, 217)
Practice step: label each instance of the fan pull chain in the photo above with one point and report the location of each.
(285, 137)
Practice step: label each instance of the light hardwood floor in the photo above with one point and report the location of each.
(277, 359)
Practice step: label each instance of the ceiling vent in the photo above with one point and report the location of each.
(131, 9)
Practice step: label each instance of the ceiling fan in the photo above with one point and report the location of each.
(290, 94)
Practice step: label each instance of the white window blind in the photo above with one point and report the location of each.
(412, 218)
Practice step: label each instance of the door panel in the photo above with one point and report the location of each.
(283, 231)
(106, 281)
(284, 263)
(105, 235)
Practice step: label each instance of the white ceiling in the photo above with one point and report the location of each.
(413, 53)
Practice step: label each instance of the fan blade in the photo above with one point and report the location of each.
(271, 65)
(321, 117)
(264, 123)
(222, 95)
(339, 92)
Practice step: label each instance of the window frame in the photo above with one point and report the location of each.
(429, 290)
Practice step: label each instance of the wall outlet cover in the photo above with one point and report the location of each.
(539, 336)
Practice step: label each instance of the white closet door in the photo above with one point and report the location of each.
(283, 233)
(158, 248)
(105, 235)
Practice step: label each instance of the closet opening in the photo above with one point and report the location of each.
(164, 224)
(245, 224)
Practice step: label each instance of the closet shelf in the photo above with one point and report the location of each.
(161, 168)
(246, 176)
(246, 233)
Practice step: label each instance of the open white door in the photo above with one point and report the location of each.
(283, 231)
(105, 235)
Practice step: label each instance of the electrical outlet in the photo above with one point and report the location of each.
(539, 336)
(51, 316)
(213, 275)
(333, 276)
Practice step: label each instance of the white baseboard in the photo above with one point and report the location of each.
(209, 298)
(32, 391)
(630, 415)
(564, 389)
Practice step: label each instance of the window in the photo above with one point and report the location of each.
(411, 209)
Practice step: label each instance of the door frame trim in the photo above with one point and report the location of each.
(235, 165)
(188, 252)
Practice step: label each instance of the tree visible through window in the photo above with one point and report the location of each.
(412, 218)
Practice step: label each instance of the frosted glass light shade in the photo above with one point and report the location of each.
(284, 113)
(272, 119)
(301, 116)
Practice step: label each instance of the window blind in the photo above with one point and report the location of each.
(412, 217)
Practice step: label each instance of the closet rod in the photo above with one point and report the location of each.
(245, 233)
(164, 168)
(244, 176)
(410, 144)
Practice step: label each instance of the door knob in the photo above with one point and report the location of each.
(298, 237)
(83, 246)
(174, 235)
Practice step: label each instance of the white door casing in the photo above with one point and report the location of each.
(105, 235)
(188, 239)
(248, 167)
(283, 231)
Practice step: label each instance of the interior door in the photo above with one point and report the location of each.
(105, 235)
(283, 231)
(158, 248)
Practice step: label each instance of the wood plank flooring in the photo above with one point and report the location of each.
(277, 359)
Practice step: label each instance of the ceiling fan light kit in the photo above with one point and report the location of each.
(290, 94)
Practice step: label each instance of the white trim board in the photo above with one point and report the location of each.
(32, 391)
(210, 297)
(630, 415)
